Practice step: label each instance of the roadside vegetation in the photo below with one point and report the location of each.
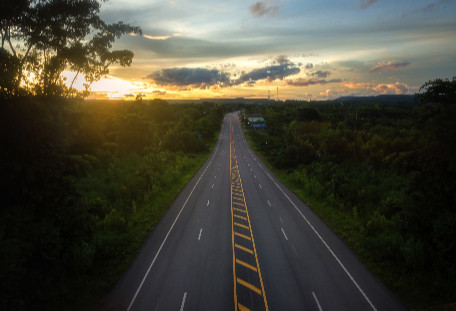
(383, 176)
(82, 185)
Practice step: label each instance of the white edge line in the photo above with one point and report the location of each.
(199, 236)
(318, 303)
(319, 236)
(170, 229)
(183, 301)
(327, 246)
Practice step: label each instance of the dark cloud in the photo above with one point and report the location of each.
(367, 3)
(271, 73)
(388, 65)
(309, 66)
(321, 74)
(430, 7)
(189, 77)
(307, 82)
(158, 93)
(281, 60)
(262, 8)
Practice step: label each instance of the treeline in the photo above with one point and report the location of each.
(81, 185)
(383, 176)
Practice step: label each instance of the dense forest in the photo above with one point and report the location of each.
(82, 185)
(382, 175)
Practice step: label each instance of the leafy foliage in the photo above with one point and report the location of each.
(82, 184)
(383, 176)
(40, 39)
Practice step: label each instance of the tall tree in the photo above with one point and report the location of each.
(45, 37)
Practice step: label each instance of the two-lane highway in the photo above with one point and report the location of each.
(238, 239)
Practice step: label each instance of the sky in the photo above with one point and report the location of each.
(300, 49)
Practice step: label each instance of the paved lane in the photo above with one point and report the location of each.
(237, 239)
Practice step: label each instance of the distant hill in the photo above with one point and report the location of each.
(410, 99)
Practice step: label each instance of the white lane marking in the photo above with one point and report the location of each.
(183, 301)
(269, 203)
(199, 236)
(169, 231)
(260, 186)
(286, 238)
(254, 176)
(324, 243)
(294, 249)
(207, 203)
(212, 186)
(215, 176)
(318, 303)
(281, 220)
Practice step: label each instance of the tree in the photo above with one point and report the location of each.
(45, 37)
(438, 91)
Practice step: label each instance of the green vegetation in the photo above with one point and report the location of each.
(82, 185)
(382, 176)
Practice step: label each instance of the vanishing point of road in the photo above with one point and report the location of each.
(237, 239)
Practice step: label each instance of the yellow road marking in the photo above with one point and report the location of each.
(240, 217)
(243, 236)
(245, 249)
(232, 227)
(239, 210)
(249, 286)
(237, 193)
(243, 308)
(242, 263)
(242, 226)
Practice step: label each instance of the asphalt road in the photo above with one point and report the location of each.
(237, 239)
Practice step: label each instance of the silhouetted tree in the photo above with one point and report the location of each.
(439, 91)
(47, 36)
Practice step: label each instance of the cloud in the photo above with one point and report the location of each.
(189, 77)
(321, 74)
(158, 93)
(388, 65)
(309, 66)
(430, 7)
(382, 88)
(281, 60)
(307, 82)
(271, 73)
(262, 8)
(160, 37)
(393, 88)
(367, 3)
